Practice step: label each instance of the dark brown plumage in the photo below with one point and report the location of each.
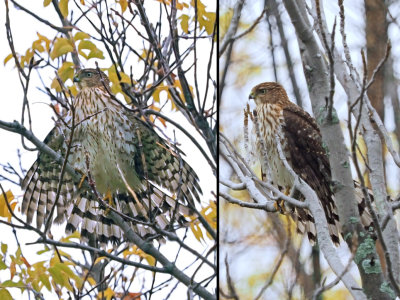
(302, 145)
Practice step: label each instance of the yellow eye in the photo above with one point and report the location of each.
(263, 91)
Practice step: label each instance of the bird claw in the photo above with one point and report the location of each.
(280, 206)
(82, 179)
(109, 199)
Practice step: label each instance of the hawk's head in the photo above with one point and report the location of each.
(91, 78)
(268, 92)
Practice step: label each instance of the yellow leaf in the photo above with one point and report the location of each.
(4, 248)
(136, 251)
(81, 35)
(75, 234)
(37, 45)
(200, 6)
(180, 6)
(124, 4)
(25, 60)
(25, 261)
(45, 39)
(91, 280)
(45, 280)
(61, 46)
(146, 55)
(210, 214)
(4, 212)
(99, 259)
(8, 57)
(13, 269)
(5, 294)
(177, 84)
(55, 85)
(224, 21)
(162, 120)
(74, 92)
(85, 44)
(124, 77)
(157, 90)
(82, 2)
(151, 260)
(46, 2)
(207, 21)
(64, 254)
(185, 23)
(166, 2)
(63, 4)
(196, 231)
(66, 71)
(108, 294)
(96, 53)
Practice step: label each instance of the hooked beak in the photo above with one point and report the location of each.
(251, 96)
(76, 79)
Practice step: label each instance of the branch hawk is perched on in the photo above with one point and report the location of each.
(126, 159)
(302, 146)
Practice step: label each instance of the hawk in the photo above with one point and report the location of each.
(126, 159)
(301, 143)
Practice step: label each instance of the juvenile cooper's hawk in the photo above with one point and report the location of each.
(126, 159)
(302, 146)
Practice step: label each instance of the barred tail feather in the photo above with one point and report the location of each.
(29, 184)
(306, 224)
(365, 215)
(151, 206)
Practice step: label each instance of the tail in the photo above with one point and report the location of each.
(306, 224)
(365, 215)
(148, 209)
(305, 221)
(40, 185)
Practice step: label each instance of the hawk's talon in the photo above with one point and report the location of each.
(280, 206)
(109, 199)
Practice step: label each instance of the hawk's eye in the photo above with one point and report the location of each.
(263, 91)
(89, 74)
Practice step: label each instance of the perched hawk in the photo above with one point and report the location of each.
(302, 146)
(127, 160)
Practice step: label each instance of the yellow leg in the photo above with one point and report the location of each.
(82, 180)
(109, 198)
(280, 204)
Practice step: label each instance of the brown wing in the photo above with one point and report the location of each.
(309, 160)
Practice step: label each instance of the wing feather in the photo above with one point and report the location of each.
(309, 160)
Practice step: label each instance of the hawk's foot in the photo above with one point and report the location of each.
(109, 199)
(280, 206)
(82, 179)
